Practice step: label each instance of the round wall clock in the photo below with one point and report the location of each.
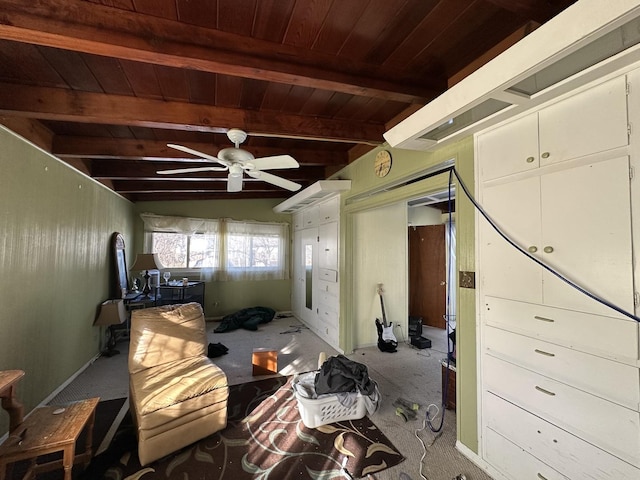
(382, 164)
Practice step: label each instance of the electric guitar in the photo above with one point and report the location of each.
(385, 330)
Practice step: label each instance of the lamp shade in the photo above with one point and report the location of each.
(146, 261)
(112, 312)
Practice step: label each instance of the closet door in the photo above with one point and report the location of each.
(507, 273)
(509, 149)
(591, 121)
(586, 235)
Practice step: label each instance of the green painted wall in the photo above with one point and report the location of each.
(367, 192)
(55, 258)
(222, 298)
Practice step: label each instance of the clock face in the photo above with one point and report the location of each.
(382, 164)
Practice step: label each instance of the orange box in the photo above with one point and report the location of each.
(265, 361)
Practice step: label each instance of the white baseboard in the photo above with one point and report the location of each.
(64, 385)
(56, 391)
(475, 458)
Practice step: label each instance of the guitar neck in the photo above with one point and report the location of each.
(384, 315)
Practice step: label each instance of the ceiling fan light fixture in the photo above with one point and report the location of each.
(235, 170)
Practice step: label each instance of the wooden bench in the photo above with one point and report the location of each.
(48, 430)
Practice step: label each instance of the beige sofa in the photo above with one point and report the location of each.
(177, 394)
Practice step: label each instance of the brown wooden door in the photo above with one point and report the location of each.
(428, 274)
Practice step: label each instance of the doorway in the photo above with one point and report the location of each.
(432, 264)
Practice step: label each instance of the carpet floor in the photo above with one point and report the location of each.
(265, 439)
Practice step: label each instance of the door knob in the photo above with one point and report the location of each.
(548, 249)
(532, 249)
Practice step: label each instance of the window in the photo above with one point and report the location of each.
(178, 250)
(221, 249)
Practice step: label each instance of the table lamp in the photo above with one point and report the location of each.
(146, 261)
(112, 313)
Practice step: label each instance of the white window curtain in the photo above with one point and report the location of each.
(254, 251)
(246, 250)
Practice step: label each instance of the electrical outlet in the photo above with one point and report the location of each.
(467, 279)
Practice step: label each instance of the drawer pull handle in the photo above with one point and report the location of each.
(542, 352)
(532, 249)
(547, 392)
(550, 320)
(546, 155)
(530, 159)
(541, 476)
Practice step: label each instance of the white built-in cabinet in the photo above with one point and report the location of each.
(559, 372)
(316, 289)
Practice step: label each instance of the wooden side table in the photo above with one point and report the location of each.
(47, 430)
(8, 381)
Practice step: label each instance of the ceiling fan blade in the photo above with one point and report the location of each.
(189, 170)
(234, 183)
(274, 162)
(278, 181)
(182, 148)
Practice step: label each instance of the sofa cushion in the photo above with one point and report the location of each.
(166, 334)
(172, 384)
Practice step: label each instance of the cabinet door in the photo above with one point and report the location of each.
(505, 272)
(509, 149)
(591, 121)
(328, 246)
(329, 211)
(586, 235)
(297, 220)
(310, 217)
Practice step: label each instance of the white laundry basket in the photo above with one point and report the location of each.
(328, 409)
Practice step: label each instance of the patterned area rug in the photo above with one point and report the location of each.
(264, 439)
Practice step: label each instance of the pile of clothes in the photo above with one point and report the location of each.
(247, 318)
(342, 378)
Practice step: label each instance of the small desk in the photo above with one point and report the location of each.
(8, 381)
(44, 432)
(179, 293)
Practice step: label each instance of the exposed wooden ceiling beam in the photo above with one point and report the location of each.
(112, 148)
(533, 9)
(146, 170)
(86, 27)
(249, 184)
(60, 104)
(210, 195)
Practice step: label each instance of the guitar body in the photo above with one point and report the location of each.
(387, 341)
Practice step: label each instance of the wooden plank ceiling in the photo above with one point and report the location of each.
(106, 84)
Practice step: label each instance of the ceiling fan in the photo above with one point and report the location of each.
(238, 161)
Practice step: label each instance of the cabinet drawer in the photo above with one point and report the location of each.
(514, 462)
(560, 450)
(605, 378)
(614, 428)
(328, 315)
(607, 337)
(328, 275)
(332, 288)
